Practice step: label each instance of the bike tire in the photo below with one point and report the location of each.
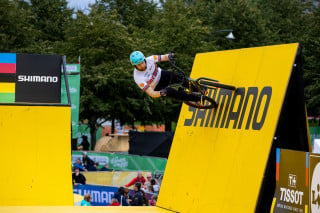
(211, 104)
(217, 84)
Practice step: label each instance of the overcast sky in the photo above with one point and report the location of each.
(80, 4)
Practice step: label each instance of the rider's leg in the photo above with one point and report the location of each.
(182, 95)
(168, 77)
(176, 78)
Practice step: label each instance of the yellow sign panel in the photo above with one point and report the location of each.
(36, 155)
(218, 157)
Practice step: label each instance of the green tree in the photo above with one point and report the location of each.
(311, 65)
(108, 90)
(244, 18)
(16, 30)
(131, 12)
(51, 19)
(296, 21)
(284, 20)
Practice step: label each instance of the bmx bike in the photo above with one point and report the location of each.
(198, 86)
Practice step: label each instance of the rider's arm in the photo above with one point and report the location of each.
(164, 57)
(152, 93)
(146, 88)
(160, 58)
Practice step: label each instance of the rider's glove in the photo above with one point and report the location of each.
(163, 92)
(171, 56)
(167, 92)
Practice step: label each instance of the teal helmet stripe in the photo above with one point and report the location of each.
(136, 57)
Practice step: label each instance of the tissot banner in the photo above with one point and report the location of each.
(314, 181)
(292, 181)
(38, 78)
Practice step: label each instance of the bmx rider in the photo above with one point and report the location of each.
(155, 81)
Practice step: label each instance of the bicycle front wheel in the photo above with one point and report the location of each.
(207, 103)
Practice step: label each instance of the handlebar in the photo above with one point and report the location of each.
(174, 66)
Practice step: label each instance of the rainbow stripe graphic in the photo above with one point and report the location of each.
(7, 77)
(277, 164)
(307, 168)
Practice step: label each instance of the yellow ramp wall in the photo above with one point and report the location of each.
(35, 155)
(213, 167)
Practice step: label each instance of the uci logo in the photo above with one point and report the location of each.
(315, 190)
(292, 180)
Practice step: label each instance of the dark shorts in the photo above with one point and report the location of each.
(166, 77)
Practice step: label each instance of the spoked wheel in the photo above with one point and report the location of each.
(207, 103)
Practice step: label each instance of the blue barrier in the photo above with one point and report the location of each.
(101, 195)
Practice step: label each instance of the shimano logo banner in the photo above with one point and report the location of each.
(38, 78)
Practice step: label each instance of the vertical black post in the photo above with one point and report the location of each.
(66, 78)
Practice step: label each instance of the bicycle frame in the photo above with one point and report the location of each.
(191, 81)
(202, 81)
(194, 87)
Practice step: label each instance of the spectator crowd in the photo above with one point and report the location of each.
(88, 164)
(123, 197)
(141, 185)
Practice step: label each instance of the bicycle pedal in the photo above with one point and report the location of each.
(204, 90)
(202, 99)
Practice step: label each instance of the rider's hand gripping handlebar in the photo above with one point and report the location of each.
(171, 56)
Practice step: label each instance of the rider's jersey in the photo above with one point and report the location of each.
(151, 76)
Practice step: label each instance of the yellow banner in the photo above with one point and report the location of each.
(218, 157)
(37, 139)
